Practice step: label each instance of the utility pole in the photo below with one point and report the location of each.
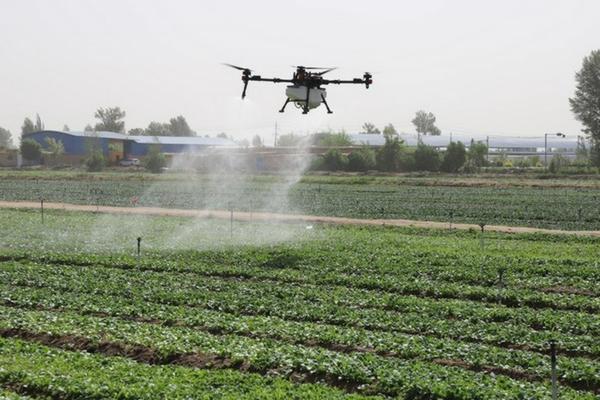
(275, 141)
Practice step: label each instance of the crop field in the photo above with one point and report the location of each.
(566, 205)
(208, 310)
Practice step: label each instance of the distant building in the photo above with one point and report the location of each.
(510, 146)
(117, 146)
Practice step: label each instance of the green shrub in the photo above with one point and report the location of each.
(477, 154)
(155, 161)
(427, 158)
(95, 161)
(393, 156)
(557, 163)
(334, 160)
(454, 158)
(361, 160)
(31, 150)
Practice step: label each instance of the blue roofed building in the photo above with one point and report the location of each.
(117, 146)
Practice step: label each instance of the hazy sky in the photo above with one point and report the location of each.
(482, 67)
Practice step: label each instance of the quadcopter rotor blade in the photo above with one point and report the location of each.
(236, 67)
(303, 67)
(326, 71)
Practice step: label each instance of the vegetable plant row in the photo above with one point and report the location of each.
(365, 373)
(261, 301)
(43, 371)
(522, 206)
(575, 371)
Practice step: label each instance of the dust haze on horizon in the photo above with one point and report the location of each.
(483, 68)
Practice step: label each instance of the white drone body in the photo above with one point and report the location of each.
(297, 95)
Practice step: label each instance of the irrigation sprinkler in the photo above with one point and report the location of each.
(451, 218)
(553, 366)
(139, 247)
(501, 276)
(482, 226)
(96, 192)
(42, 208)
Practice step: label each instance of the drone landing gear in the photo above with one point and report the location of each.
(326, 105)
(284, 104)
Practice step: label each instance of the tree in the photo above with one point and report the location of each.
(5, 138)
(39, 125)
(27, 126)
(158, 129)
(424, 122)
(95, 161)
(180, 127)
(334, 160)
(88, 128)
(389, 130)
(111, 119)
(362, 159)
(582, 155)
(586, 102)
(454, 158)
(257, 141)
(136, 132)
(427, 158)
(330, 139)
(155, 161)
(557, 162)
(477, 153)
(66, 128)
(223, 135)
(55, 148)
(370, 128)
(31, 150)
(390, 155)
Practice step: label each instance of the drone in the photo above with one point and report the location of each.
(305, 90)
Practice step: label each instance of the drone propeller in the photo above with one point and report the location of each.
(303, 67)
(246, 70)
(326, 71)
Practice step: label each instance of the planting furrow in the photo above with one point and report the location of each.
(252, 303)
(578, 372)
(374, 285)
(366, 373)
(31, 368)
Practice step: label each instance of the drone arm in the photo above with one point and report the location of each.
(365, 81)
(259, 78)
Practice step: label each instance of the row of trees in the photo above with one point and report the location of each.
(395, 156)
(112, 119)
(423, 121)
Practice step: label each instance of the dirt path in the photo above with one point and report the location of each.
(264, 216)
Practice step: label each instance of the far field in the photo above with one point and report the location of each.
(290, 311)
(569, 204)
